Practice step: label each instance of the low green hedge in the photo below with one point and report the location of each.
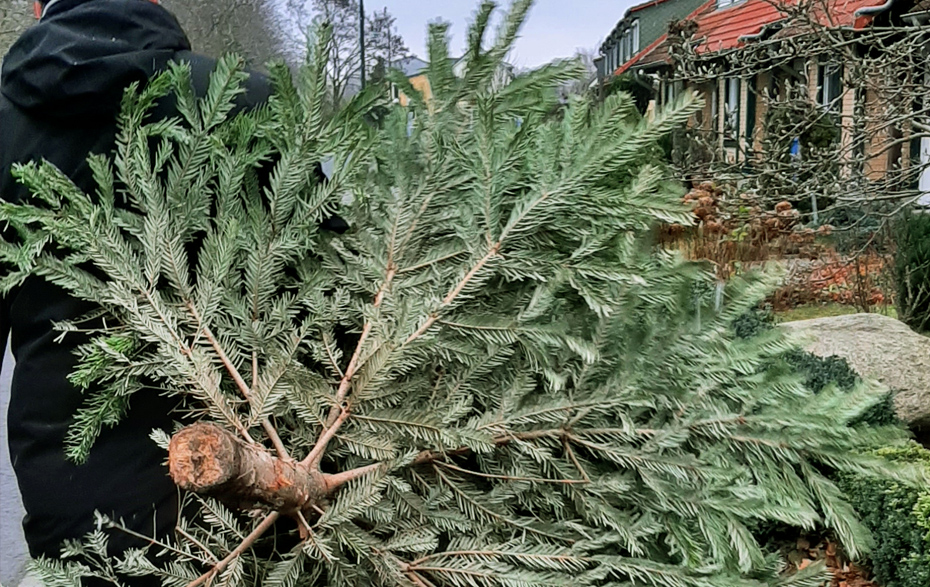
(898, 516)
(899, 519)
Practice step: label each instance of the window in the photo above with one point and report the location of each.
(731, 108)
(722, 3)
(751, 91)
(670, 92)
(830, 86)
(635, 34)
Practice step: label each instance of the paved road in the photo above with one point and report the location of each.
(13, 555)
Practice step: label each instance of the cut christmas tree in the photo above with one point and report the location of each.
(492, 377)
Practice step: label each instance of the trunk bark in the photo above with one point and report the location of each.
(209, 460)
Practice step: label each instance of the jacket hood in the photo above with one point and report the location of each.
(83, 53)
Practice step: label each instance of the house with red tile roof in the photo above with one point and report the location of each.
(719, 38)
(642, 27)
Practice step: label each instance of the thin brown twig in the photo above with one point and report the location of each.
(244, 389)
(316, 453)
(114, 526)
(574, 459)
(339, 412)
(257, 533)
(416, 578)
(511, 477)
(337, 480)
(332, 357)
(454, 293)
(453, 553)
(254, 370)
(206, 550)
(303, 525)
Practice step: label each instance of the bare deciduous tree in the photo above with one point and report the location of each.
(844, 112)
(383, 44)
(245, 27)
(15, 17)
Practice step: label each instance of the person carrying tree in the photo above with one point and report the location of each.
(62, 84)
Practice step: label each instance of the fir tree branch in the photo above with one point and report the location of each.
(418, 580)
(332, 357)
(206, 550)
(336, 480)
(152, 541)
(257, 533)
(491, 513)
(571, 455)
(240, 382)
(340, 410)
(186, 351)
(430, 456)
(313, 459)
(473, 576)
(254, 369)
(218, 349)
(426, 264)
(303, 526)
(454, 293)
(415, 565)
(513, 478)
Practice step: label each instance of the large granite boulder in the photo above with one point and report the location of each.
(878, 348)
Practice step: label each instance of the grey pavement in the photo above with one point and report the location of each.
(13, 555)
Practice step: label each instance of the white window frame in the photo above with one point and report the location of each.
(731, 107)
(635, 32)
(826, 72)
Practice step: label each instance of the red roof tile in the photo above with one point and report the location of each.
(721, 29)
(641, 55)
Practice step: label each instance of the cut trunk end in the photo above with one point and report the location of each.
(209, 460)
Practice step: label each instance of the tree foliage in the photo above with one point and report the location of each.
(15, 17)
(245, 27)
(384, 46)
(499, 378)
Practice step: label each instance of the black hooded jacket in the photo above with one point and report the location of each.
(60, 92)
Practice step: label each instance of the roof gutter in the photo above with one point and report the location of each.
(762, 32)
(873, 10)
(748, 38)
(916, 18)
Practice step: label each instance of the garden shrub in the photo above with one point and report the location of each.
(818, 372)
(899, 519)
(912, 269)
(753, 322)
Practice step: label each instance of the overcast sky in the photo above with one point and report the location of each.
(556, 28)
